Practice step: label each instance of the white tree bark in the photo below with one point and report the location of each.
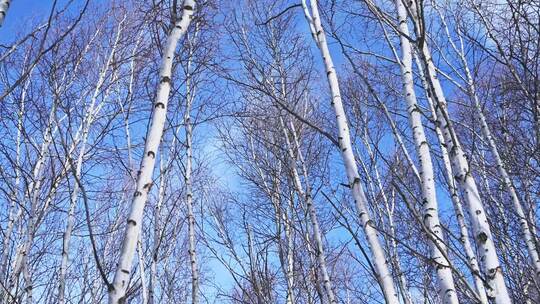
(289, 235)
(530, 239)
(458, 207)
(4, 6)
(157, 233)
(393, 244)
(144, 179)
(32, 192)
(254, 268)
(91, 113)
(14, 213)
(144, 289)
(286, 263)
(447, 289)
(29, 288)
(306, 195)
(189, 191)
(496, 287)
(379, 259)
(69, 225)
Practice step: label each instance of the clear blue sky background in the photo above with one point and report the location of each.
(22, 11)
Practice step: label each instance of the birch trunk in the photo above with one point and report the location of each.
(404, 285)
(286, 263)
(402, 280)
(32, 193)
(144, 290)
(460, 214)
(306, 195)
(447, 289)
(14, 214)
(530, 239)
(464, 232)
(189, 193)
(289, 235)
(253, 273)
(4, 6)
(69, 228)
(460, 166)
(157, 234)
(92, 111)
(144, 179)
(384, 276)
(29, 288)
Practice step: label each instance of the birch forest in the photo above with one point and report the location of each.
(270, 151)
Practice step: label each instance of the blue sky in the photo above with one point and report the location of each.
(21, 11)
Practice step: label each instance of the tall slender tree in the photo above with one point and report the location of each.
(384, 276)
(144, 179)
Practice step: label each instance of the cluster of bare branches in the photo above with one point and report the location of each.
(265, 151)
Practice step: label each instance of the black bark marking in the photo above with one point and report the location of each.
(482, 237)
(369, 223)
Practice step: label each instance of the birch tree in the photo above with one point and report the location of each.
(384, 276)
(188, 180)
(486, 131)
(92, 110)
(144, 178)
(496, 285)
(447, 290)
(433, 106)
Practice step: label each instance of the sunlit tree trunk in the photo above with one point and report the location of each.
(29, 288)
(306, 195)
(189, 191)
(156, 232)
(289, 236)
(70, 223)
(402, 280)
(458, 207)
(530, 239)
(253, 273)
(142, 273)
(461, 168)
(281, 218)
(32, 193)
(460, 214)
(144, 179)
(447, 289)
(380, 261)
(91, 113)
(14, 213)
